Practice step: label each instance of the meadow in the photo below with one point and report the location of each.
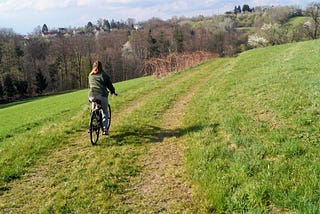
(249, 130)
(258, 150)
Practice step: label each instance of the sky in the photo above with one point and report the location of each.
(24, 16)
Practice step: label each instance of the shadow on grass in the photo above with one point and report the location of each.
(149, 134)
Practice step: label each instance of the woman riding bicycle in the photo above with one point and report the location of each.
(99, 84)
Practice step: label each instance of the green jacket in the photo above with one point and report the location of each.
(99, 83)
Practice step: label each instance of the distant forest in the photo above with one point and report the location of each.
(56, 60)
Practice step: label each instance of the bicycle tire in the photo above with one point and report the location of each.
(109, 116)
(94, 128)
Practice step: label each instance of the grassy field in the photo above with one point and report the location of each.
(249, 130)
(295, 21)
(33, 127)
(258, 145)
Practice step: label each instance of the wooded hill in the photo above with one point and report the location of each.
(51, 61)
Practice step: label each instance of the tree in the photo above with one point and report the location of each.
(41, 82)
(113, 24)
(53, 73)
(257, 41)
(9, 89)
(164, 44)
(1, 52)
(106, 25)
(237, 9)
(100, 22)
(62, 48)
(153, 48)
(37, 31)
(130, 23)
(314, 12)
(89, 27)
(36, 52)
(22, 87)
(126, 53)
(138, 41)
(246, 8)
(44, 29)
(1, 91)
(274, 33)
(178, 40)
(19, 52)
(78, 51)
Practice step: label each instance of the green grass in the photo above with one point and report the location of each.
(79, 177)
(257, 150)
(21, 117)
(31, 128)
(246, 29)
(251, 134)
(295, 21)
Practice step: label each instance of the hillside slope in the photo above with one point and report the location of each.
(230, 135)
(258, 146)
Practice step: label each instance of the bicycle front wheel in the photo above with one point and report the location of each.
(94, 128)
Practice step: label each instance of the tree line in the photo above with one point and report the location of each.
(36, 64)
(50, 63)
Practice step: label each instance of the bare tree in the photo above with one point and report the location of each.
(314, 12)
(61, 50)
(109, 51)
(78, 51)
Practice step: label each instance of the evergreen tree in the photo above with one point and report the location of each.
(239, 9)
(178, 41)
(41, 82)
(22, 87)
(113, 24)
(44, 29)
(19, 52)
(1, 52)
(9, 89)
(106, 25)
(246, 8)
(164, 44)
(1, 92)
(89, 27)
(153, 47)
(53, 75)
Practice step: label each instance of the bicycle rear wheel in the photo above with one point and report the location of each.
(109, 116)
(94, 128)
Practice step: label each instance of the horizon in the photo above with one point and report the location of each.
(24, 16)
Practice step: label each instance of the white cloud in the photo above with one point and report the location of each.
(11, 5)
(24, 15)
(15, 5)
(283, 2)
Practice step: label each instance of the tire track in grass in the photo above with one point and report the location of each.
(162, 186)
(141, 100)
(60, 174)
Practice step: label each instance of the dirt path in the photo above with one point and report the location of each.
(162, 186)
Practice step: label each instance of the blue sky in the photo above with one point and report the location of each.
(23, 16)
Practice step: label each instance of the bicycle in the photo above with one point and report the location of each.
(95, 124)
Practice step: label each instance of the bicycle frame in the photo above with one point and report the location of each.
(96, 105)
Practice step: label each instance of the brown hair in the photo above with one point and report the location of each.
(96, 68)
